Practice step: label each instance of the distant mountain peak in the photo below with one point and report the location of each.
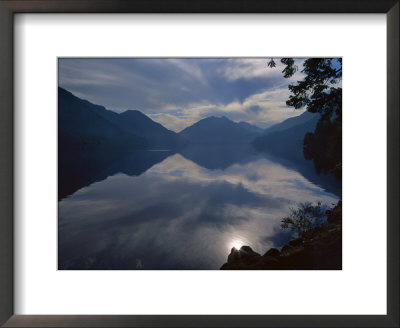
(292, 122)
(217, 130)
(133, 112)
(215, 118)
(286, 138)
(250, 127)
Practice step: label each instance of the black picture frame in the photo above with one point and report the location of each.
(10, 7)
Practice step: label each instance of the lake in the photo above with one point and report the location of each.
(178, 210)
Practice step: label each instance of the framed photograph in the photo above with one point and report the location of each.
(213, 164)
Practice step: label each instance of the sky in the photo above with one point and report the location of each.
(178, 92)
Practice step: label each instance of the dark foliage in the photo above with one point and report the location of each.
(304, 218)
(324, 146)
(335, 215)
(320, 92)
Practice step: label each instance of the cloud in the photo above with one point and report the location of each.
(252, 68)
(190, 68)
(247, 69)
(262, 109)
(178, 92)
(177, 208)
(270, 107)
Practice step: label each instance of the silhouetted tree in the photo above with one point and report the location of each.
(319, 92)
(304, 218)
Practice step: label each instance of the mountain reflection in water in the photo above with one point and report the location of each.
(167, 210)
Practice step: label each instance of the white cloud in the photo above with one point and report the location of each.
(262, 109)
(270, 107)
(176, 119)
(251, 68)
(190, 69)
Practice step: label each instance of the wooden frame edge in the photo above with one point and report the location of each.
(9, 7)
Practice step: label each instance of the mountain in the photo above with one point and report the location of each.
(87, 125)
(219, 156)
(217, 130)
(292, 122)
(134, 121)
(156, 135)
(84, 168)
(285, 146)
(250, 127)
(81, 127)
(286, 139)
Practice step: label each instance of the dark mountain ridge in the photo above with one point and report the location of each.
(217, 130)
(250, 127)
(292, 122)
(283, 143)
(86, 125)
(81, 127)
(286, 138)
(156, 134)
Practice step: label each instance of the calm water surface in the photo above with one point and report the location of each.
(165, 210)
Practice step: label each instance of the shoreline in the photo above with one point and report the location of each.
(318, 249)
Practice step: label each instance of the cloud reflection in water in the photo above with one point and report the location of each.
(179, 215)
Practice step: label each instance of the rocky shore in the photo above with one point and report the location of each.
(318, 249)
